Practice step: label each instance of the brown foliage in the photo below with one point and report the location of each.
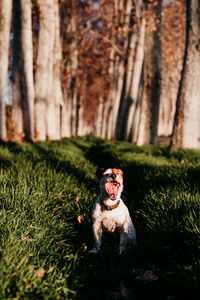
(173, 34)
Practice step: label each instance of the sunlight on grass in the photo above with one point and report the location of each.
(46, 186)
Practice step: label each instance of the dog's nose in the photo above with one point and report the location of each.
(113, 176)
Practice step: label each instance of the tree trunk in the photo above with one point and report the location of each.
(5, 20)
(173, 47)
(56, 98)
(115, 97)
(126, 103)
(105, 117)
(136, 77)
(168, 105)
(148, 125)
(57, 70)
(99, 118)
(65, 114)
(53, 116)
(186, 123)
(27, 69)
(107, 109)
(17, 116)
(70, 106)
(44, 71)
(122, 16)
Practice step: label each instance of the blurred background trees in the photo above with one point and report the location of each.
(109, 68)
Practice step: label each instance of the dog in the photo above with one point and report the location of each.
(109, 212)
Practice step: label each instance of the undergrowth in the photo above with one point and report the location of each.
(45, 187)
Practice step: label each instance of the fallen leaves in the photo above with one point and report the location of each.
(41, 273)
(80, 219)
(61, 243)
(56, 208)
(85, 248)
(147, 276)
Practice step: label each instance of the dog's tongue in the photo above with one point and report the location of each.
(112, 189)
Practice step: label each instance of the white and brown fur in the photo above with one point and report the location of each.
(109, 220)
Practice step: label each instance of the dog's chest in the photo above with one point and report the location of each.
(112, 219)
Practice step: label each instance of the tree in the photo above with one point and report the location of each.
(148, 122)
(186, 122)
(16, 64)
(131, 120)
(54, 97)
(70, 51)
(27, 69)
(140, 97)
(96, 67)
(44, 72)
(173, 46)
(5, 19)
(57, 96)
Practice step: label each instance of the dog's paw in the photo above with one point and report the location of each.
(93, 251)
(121, 249)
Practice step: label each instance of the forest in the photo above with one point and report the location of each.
(118, 69)
(86, 85)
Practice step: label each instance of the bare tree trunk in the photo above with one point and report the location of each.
(99, 118)
(117, 96)
(136, 77)
(58, 94)
(65, 115)
(73, 71)
(107, 108)
(122, 16)
(5, 20)
(105, 116)
(27, 68)
(148, 126)
(54, 106)
(113, 70)
(168, 106)
(130, 63)
(17, 115)
(186, 123)
(66, 106)
(172, 62)
(70, 108)
(53, 124)
(43, 76)
(126, 107)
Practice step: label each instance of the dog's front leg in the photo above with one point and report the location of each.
(123, 239)
(97, 232)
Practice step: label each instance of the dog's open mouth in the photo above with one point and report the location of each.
(112, 189)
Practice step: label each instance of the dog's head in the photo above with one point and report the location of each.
(111, 183)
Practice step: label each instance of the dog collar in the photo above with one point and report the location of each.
(111, 207)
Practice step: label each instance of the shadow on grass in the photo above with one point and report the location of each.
(106, 275)
(64, 166)
(172, 253)
(140, 176)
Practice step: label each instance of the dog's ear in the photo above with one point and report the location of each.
(99, 172)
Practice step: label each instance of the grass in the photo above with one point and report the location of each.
(45, 186)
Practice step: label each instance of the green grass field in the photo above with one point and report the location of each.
(45, 186)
